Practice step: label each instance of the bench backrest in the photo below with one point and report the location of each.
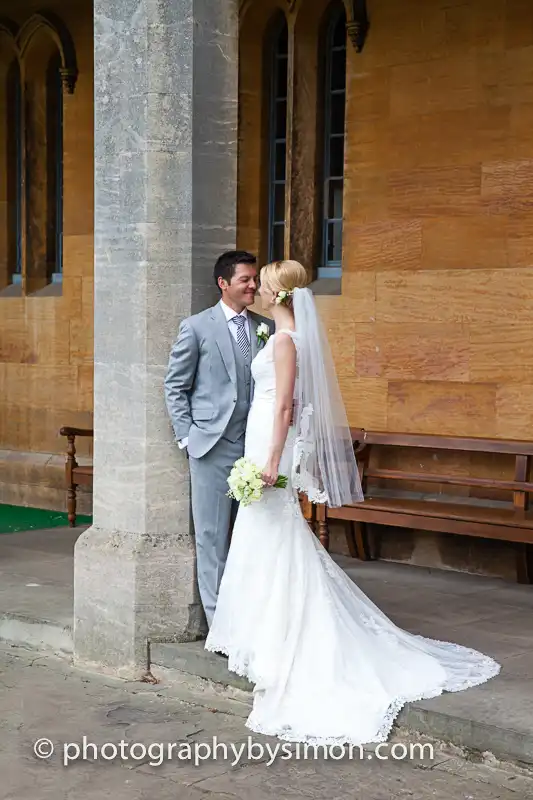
(430, 442)
(365, 441)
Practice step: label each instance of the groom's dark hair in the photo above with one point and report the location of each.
(227, 264)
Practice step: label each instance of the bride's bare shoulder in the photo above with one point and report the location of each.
(284, 345)
(285, 333)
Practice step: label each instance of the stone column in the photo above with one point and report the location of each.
(165, 176)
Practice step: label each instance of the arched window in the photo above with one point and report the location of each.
(278, 141)
(39, 69)
(334, 126)
(13, 171)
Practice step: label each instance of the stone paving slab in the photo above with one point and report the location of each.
(43, 696)
(36, 575)
(488, 614)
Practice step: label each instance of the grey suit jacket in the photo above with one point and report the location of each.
(200, 385)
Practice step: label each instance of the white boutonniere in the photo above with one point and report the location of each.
(262, 333)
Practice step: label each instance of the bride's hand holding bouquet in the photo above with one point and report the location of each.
(247, 482)
(270, 472)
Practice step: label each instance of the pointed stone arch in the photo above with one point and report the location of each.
(22, 36)
(9, 28)
(62, 38)
(286, 6)
(9, 31)
(357, 22)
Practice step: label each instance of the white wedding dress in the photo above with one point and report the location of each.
(328, 666)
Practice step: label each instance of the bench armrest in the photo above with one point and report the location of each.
(76, 432)
(71, 462)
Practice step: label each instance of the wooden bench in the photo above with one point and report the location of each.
(491, 508)
(75, 474)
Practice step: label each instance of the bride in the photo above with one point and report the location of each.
(328, 666)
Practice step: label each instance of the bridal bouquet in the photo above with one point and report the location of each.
(246, 484)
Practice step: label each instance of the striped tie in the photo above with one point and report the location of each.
(242, 338)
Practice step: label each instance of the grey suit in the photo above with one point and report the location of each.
(208, 390)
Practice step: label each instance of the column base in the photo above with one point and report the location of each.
(130, 588)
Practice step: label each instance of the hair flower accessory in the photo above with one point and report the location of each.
(283, 296)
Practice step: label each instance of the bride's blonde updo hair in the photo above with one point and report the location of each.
(284, 276)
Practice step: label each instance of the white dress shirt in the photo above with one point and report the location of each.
(229, 313)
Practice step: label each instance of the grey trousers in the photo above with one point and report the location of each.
(213, 514)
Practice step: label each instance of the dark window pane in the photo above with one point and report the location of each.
(283, 41)
(278, 135)
(278, 242)
(336, 157)
(54, 144)
(279, 202)
(281, 119)
(339, 34)
(281, 77)
(334, 140)
(338, 102)
(338, 69)
(279, 172)
(14, 169)
(335, 197)
(334, 242)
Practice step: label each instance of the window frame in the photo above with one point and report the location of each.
(328, 268)
(55, 117)
(35, 242)
(280, 31)
(15, 144)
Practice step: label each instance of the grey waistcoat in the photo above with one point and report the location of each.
(237, 424)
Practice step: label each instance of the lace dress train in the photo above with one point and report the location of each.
(328, 666)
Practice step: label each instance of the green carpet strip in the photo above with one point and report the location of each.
(22, 518)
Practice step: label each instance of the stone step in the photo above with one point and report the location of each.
(447, 718)
(37, 634)
(474, 735)
(193, 659)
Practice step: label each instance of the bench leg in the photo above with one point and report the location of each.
(322, 526)
(357, 539)
(71, 505)
(70, 465)
(524, 563)
(308, 512)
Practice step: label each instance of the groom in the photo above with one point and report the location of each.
(208, 390)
